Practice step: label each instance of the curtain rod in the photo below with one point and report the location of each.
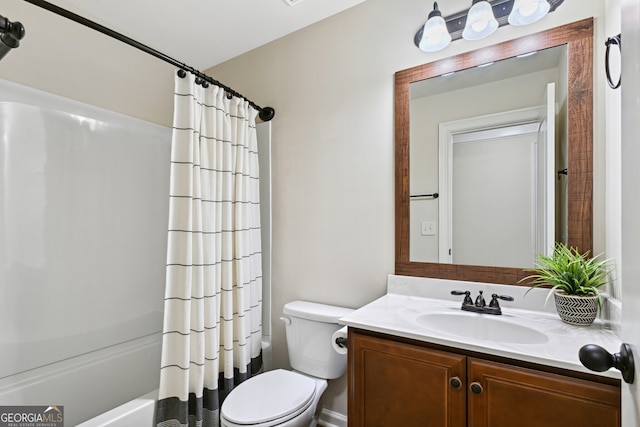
(265, 114)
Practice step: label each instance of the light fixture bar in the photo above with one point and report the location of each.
(501, 10)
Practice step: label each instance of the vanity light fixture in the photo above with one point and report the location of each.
(481, 20)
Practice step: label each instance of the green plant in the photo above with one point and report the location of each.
(571, 272)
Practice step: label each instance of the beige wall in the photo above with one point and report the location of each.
(333, 184)
(65, 58)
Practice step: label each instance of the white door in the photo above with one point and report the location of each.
(546, 177)
(493, 198)
(497, 174)
(630, 267)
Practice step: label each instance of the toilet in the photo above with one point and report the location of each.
(286, 398)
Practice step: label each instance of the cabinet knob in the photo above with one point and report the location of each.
(455, 382)
(476, 387)
(598, 359)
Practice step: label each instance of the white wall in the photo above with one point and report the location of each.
(333, 160)
(613, 150)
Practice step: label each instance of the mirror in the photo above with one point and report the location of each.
(576, 228)
(493, 164)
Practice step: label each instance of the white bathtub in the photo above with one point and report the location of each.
(140, 412)
(135, 413)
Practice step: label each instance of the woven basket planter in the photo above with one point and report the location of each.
(576, 310)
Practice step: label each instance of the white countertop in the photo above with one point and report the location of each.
(398, 314)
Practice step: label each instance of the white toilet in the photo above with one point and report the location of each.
(289, 398)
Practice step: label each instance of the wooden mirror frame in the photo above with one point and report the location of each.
(578, 37)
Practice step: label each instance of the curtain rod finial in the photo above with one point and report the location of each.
(266, 114)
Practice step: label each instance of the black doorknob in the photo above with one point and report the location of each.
(598, 359)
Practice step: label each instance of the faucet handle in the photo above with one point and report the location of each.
(467, 296)
(480, 300)
(496, 297)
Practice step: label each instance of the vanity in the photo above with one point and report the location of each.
(417, 359)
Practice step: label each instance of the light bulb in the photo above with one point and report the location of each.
(529, 8)
(435, 35)
(528, 11)
(480, 21)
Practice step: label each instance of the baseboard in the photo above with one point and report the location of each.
(331, 419)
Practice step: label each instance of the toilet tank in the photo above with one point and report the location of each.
(309, 328)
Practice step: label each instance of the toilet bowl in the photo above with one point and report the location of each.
(276, 398)
(289, 398)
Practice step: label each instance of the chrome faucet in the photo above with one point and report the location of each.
(480, 305)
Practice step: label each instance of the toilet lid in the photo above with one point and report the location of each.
(270, 396)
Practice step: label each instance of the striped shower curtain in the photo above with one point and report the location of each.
(212, 315)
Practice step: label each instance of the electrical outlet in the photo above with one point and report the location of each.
(428, 228)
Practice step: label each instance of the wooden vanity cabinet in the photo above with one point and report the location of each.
(399, 383)
(507, 395)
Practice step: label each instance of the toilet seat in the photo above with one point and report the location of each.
(269, 399)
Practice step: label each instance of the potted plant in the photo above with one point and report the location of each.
(574, 279)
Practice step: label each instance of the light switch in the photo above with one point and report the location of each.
(428, 228)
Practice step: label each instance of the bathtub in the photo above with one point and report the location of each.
(138, 412)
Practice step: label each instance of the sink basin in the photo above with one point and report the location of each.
(481, 327)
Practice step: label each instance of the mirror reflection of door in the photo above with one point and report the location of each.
(501, 205)
(493, 197)
(442, 101)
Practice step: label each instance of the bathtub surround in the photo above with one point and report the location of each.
(213, 300)
(84, 212)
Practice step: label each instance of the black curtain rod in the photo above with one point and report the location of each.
(10, 35)
(265, 114)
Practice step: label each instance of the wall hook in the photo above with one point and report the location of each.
(564, 171)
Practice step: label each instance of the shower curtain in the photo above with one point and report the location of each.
(212, 316)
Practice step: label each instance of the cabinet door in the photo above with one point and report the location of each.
(398, 384)
(506, 396)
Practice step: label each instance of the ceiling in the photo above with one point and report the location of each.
(204, 33)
